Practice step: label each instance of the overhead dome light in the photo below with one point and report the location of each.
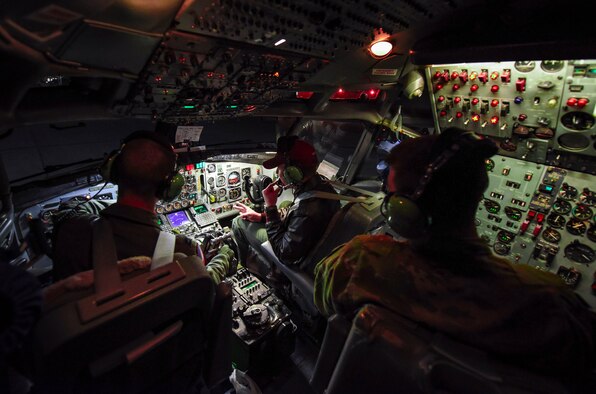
(381, 45)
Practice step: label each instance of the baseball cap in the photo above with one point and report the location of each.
(298, 152)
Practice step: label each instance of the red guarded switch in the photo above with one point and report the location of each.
(582, 102)
(520, 85)
(506, 76)
(463, 76)
(483, 77)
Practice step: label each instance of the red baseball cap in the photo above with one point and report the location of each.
(297, 152)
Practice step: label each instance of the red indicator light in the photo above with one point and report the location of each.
(458, 115)
(182, 60)
(190, 167)
(494, 103)
(340, 90)
(454, 75)
(494, 75)
(304, 95)
(475, 101)
(443, 113)
(494, 88)
(522, 117)
(372, 92)
(582, 102)
(250, 108)
(474, 88)
(158, 78)
(437, 75)
(457, 100)
(455, 87)
(438, 86)
(494, 120)
(475, 117)
(440, 99)
(571, 101)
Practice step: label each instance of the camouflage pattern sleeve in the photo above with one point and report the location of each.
(332, 275)
(219, 265)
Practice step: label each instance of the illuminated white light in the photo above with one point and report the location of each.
(280, 42)
(381, 48)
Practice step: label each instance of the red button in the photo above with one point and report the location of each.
(571, 102)
(494, 88)
(455, 87)
(474, 88)
(458, 115)
(454, 75)
(437, 75)
(582, 102)
(440, 99)
(475, 101)
(494, 103)
(443, 113)
(438, 86)
(522, 117)
(457, 100)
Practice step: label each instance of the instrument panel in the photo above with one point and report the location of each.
(543, 216)
(539, 110)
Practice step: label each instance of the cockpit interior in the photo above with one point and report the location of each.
(223, 80)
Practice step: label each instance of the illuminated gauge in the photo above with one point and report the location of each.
(210, 167)
(489, 164)
(505, 236)
(501, 249)
(492, 206)
(592, 233)
(210, 181)
(221, 192)
(562, 207)
(183, 195)
(552, 66)
(579, 253)
(568, 192)
(551, 235)
(588, 197)
(185, 203)
(233, 178)
(576, 226)
(582, 212)
(513, 213)
(221, 181)
(191, 179)
(192, 196)
(169, 207)
(177, 205)
(555, 220)
(191, 188)
(245, 172)
(159, 209)
(234, 194)
(525, 66)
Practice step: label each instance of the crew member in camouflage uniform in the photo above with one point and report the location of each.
(449, 279)
(143, 164)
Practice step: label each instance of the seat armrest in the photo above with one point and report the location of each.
(338, 328)
(302, 281)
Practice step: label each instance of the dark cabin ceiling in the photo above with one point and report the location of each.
(185, 61)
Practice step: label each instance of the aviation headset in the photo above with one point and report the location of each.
(172, 184)
(403, 212)
(292, 173)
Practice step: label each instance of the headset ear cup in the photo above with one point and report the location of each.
(406, 217)
(293, 174)
(171, 187)
(108, 169)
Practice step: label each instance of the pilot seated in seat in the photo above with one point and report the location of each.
(294, 235)
(445, 277)
(144, 168)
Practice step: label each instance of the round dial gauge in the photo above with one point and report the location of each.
(505, 236)
(221, 181)
(489, 164)
(576, 226)
(588, 197)
(211, 167)
(159, 209)
(210, 181)
(501, 248)
(169, 207)
(233, 178)
(221, 192)
(185, 203)
(551, 235)
(580, 253)
(582, 212)
(592, 233)
(492, 206)
(552, 66)
(513, 213)
(525, 66)
(177, 205)
(562, 207)
(555, 220)
(568, 192)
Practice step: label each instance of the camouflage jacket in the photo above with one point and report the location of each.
(518, 313)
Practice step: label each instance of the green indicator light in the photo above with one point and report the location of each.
(197, 165)
(188, 106)
(232, 106)
(250, 285)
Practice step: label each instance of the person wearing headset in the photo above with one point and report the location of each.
(441, 274)
(144, 168)
(303, 223)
